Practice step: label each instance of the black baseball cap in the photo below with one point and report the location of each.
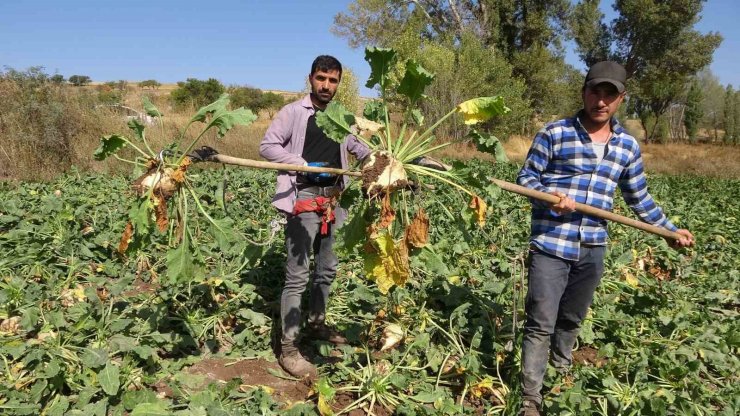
(606, 71)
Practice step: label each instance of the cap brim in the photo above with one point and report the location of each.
(596, 81)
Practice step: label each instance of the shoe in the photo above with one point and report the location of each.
(295, 364)
(324, 332)
(529, 408)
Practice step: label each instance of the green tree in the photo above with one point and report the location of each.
(528, 34)
(272, 102)
(694, 112)
(79, 80)
(57, 79)
(196, 93)
(656, 42)
(730, 120)
(736, 118)
(348, 92)
(713, 94)
(150, 83)
(247, 97)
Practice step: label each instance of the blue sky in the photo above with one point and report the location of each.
(267, 44)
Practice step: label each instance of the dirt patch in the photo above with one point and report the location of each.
(588, 356)
(252, 373)
(141, 287)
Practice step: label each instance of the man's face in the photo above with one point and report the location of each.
(601, 102)
(324, 85)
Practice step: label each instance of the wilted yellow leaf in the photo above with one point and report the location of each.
(631, 279)
(481, 109)
(478, 205)
(388, 265)
(324, 407)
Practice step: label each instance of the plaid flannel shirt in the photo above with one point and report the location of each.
(562, 159)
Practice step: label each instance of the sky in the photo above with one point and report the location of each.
(264, 44)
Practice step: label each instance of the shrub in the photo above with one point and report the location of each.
(196, 93)
(79, 80)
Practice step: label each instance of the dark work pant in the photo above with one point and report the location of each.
(558, 297)
(302, 238)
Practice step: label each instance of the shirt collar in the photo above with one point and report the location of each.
(615, 125)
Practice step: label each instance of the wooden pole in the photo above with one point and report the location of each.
(229, 160)
(588, 210)
(507, 186)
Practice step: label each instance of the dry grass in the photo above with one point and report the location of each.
(22, 159)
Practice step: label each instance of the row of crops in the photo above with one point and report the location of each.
(87, 331)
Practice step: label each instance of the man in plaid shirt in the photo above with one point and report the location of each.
(579, 159)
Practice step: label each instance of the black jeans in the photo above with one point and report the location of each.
(558, 297)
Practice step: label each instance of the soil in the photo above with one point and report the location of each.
(252, 373)
(588, 356)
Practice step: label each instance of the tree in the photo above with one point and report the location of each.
(730, 120)
(196, 93)
(150, 83)
(713, 94)
(348, 92)
(247, 97)
(693, 113)
(79, 80)
(656, 42)
(527, 33)
(272, 102)
(57, 79)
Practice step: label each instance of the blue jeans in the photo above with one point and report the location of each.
(303, 238)
(558, 297)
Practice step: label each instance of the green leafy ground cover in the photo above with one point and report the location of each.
(86, 331)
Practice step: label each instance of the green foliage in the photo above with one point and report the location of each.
(194, 93)
(658, 336)
(150, 83)
(693, 112)
(57, 79)
(654, 40)
(348, 92)
(79, 80)
(730, 119)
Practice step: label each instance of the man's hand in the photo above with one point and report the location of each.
(686, 240)
(565, 205)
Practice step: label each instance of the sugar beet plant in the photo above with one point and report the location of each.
(397, 172)
(165, 196)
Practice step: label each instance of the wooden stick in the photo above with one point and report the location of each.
(507, 186)
(230, 160)
(589, 210)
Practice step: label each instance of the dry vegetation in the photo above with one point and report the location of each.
(27, 152)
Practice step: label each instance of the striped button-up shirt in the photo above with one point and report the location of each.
(562, 158)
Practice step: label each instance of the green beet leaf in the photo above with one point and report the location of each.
(109, 145)
(138, 128)
(381, 62)
(226, 120)
(488, 143)
(158, 408)
(336, 121)
(415, 81)
(212, 108)
(180, 261)
(149, 108)
(109, 379)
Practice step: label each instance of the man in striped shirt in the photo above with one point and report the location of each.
(579, 159)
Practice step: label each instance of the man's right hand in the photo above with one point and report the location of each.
(565, 205)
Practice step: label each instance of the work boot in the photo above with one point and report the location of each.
(323, 332)
(295, 364)
(529, 408)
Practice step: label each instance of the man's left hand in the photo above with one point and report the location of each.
(686, 240)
